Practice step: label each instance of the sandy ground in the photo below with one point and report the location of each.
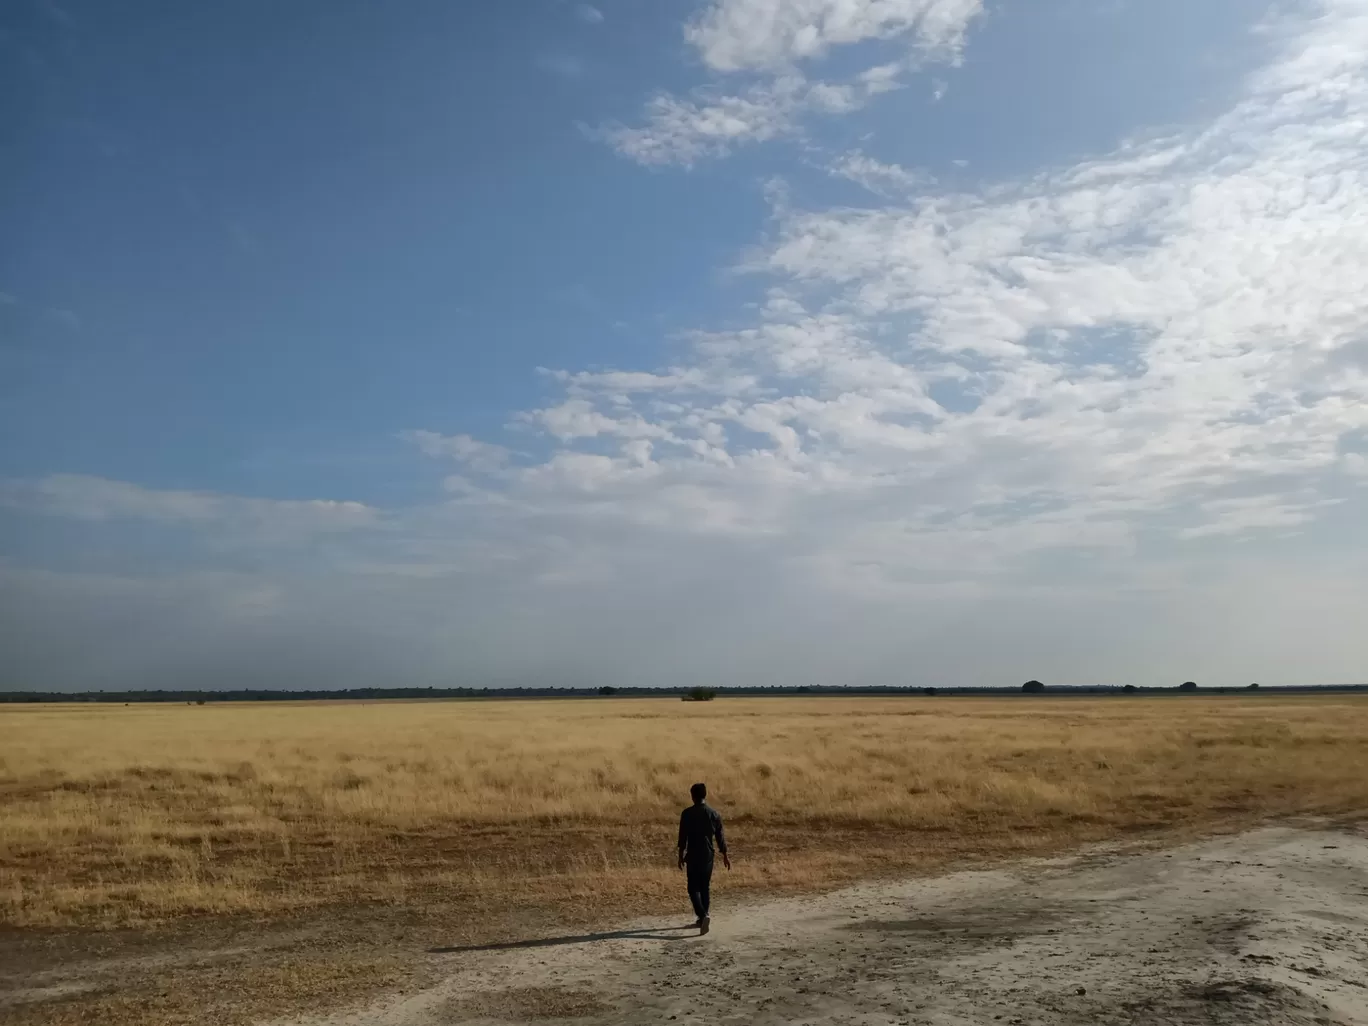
(1267, 927)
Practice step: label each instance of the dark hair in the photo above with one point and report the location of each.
(699, 792)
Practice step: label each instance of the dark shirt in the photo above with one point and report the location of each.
(698, 825)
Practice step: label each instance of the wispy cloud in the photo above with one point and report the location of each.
(588, 14)
(887, 180)
(685, 131)
(736, 35)
(462, 448)
(769, 40)
(83, 497)
(712, 122)
(1155, 340)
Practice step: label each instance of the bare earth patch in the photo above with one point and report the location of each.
(527, 1004)
(1269, 927)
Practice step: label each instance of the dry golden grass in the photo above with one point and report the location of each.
(223, 995)
(113, 815)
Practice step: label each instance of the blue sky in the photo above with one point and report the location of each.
(927, 341)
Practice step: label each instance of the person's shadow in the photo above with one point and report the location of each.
(664, 933)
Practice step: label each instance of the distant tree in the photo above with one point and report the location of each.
(699, 695)
(1129, 688)
(1252, 687)
(1188, 685)
(1033, 687)
(199, 701)
(930, 691)
(607, 689)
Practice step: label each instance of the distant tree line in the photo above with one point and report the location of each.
(1031, 687)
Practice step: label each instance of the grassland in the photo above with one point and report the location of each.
(143, 815)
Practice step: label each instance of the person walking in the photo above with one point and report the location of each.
(699, 825)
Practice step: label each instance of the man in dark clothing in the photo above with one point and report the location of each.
(699, 824)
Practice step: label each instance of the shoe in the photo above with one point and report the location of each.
(703, 925)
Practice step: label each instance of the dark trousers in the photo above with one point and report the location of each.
(699, 873)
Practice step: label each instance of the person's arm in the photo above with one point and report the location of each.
(721, 840)
(683, 836)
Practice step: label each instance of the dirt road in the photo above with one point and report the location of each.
(1268, 927)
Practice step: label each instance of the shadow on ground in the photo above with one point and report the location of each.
(665, 933)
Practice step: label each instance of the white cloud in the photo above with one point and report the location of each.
(577, 418)
(732, 35)
(83, 497)
(588, 14)
(773, 37)
(1259, 512)
(1139, 343)
(713, 123)
(880, 178)
(472, 452)
(685, 131)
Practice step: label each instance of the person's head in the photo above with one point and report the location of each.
(699, 792)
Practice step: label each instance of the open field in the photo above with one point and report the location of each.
(140, 815)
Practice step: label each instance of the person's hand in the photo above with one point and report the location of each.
(726, 860)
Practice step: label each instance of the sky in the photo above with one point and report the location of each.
(914, 342)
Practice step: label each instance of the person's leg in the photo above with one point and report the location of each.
(697, 891)
(700, 877)
(695, 899)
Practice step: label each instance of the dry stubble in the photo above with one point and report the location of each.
(138, 815)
